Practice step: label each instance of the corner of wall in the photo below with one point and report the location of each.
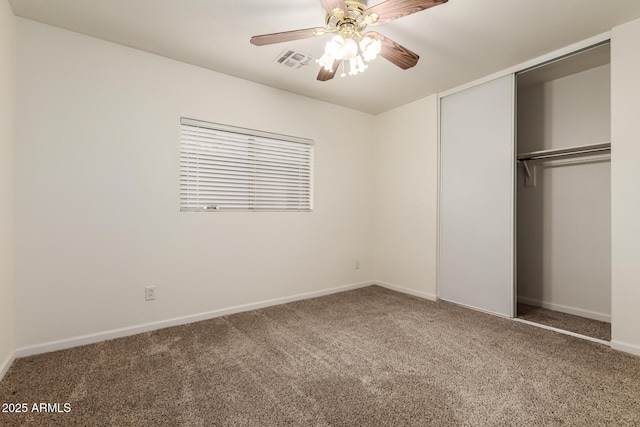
(6, 364)
(625, 208)
(406, 164)
(7, 143)
(626, 347)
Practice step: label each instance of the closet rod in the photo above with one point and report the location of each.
(561, 152)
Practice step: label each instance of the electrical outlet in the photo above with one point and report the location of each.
(149, 293)
(358, 265)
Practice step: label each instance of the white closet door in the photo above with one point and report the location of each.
(476, 239)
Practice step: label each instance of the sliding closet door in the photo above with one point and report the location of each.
(476, 236)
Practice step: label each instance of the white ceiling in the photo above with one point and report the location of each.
(459, 41)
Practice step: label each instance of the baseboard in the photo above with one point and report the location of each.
(6, 364)
(626, 347)
(408, 291)
(562, 331)
(148, 327)
(566, 309)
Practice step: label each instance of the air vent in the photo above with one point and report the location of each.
(292, 59)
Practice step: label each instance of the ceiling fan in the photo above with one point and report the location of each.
(348, 19)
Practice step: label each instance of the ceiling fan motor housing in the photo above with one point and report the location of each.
(350, 23)
(356, 5)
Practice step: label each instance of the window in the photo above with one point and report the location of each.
(228, 168)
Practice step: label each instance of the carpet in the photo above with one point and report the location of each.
(367, 357)
(580, 325)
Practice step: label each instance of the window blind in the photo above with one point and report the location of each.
(229, 168)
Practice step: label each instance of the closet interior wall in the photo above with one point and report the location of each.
(564, 221)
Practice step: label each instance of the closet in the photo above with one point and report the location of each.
(524, 209)
(563, 193)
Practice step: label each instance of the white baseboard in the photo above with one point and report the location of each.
(408, 291)
(626, 347)
(562, 331)
(6, 364)
(147, 327)
(602, 317)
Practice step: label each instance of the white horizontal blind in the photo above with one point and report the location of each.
(227, 168)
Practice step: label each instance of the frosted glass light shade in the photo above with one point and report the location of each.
(357, 65)
(349, 49)
(326, 62)
(370, 48)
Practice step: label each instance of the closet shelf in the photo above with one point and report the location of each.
(561, 152)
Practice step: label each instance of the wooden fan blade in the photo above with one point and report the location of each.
(394, 9)
(329, 5)
(325, 75)
(287, 36)
(395, 53)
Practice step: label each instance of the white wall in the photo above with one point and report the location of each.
(97, 190)
(564, 222)
(406, 174)
(7, 137)
(625, 185)
(567, 112)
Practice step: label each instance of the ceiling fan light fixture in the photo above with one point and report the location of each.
(357, 65)
(338, 48)
(349, 20)
(334, 47)
(326, 62)
(370, 48)
(349, 49)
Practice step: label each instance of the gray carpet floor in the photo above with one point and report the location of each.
(368, 357)
(580, 325)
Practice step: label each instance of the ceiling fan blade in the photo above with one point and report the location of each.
(325, 75)
(329, 5)
(394, 9)
(395, 53)
(287, 36)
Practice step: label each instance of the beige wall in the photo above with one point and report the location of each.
(97, 162)
(7, 137)
(406, 174)
(625, 185)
